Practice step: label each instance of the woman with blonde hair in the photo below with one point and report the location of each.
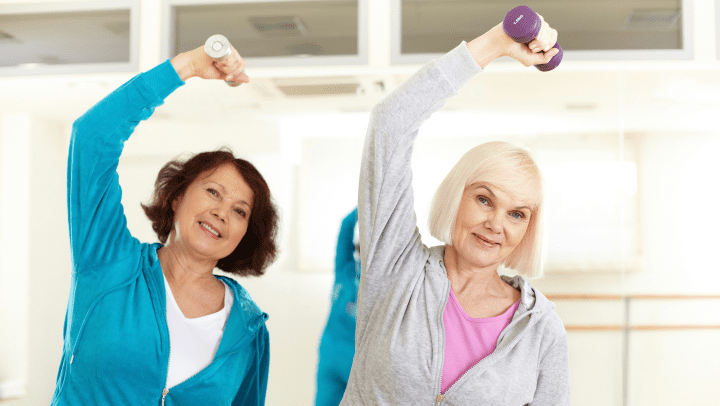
(440, 325)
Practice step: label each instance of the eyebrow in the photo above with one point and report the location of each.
(493, 195)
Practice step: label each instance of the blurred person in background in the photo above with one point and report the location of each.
(337, 344)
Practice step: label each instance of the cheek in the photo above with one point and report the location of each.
(239, 231)
(519, 233)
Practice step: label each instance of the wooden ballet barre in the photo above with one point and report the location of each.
(581, 296)
(650, 327)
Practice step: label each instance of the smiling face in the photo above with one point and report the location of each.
(489, 225)
(213, 214)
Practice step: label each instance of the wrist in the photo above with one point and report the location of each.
(183, 66)
(489, 46)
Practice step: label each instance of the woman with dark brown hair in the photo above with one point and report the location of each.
(151, 323)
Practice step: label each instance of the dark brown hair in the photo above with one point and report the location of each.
(257, 249)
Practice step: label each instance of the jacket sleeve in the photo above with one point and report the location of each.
(553, 385)
(97, 224)
(254, 387)
(386, 207)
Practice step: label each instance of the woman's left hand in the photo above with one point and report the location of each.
(496, 43)
(197, 63)
(538, 51)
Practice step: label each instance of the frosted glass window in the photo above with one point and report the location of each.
(603, 29)
(68, 37)
(592, 203)
(299, 30)
(65, 38)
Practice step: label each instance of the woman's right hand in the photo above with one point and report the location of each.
(197, 63)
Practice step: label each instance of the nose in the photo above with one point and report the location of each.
(494, 222)
(222, 210)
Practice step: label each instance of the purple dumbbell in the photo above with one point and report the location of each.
(523, 25)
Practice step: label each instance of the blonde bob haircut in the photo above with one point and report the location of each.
(510, 169)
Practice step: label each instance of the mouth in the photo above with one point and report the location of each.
(485, 241)
(210, 228)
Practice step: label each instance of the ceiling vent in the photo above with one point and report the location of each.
(652, 19)
(279, 26)
(310, 87)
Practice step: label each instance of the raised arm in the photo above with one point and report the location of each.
(97, 224)
(386, 214)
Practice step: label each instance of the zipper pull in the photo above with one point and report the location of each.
(440, 398)
(165, 392)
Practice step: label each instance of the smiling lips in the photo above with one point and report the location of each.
(485, 241)
(210, 228)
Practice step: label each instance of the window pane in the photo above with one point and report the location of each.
(433, 26)
(295, 28)
(60, 38)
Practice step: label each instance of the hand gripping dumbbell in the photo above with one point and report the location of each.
(218, 48)
(523, 25)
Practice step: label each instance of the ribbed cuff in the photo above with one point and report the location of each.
(458, 65)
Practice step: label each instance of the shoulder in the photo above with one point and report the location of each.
(550, 323)
(242, 298)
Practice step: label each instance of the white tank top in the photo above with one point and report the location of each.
(193, 342)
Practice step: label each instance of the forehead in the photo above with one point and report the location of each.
(228, 178)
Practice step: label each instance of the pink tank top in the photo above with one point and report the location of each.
(468, 340)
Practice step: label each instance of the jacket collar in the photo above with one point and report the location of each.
(529, 296)
(244, 320)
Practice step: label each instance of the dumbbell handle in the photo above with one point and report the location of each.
(218, 48)
(522, 24)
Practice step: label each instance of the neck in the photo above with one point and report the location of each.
(181, 267)
(465, 276)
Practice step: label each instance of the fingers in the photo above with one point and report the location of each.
(238, 77)
(547, 37)
(233, 68)
(547, 56)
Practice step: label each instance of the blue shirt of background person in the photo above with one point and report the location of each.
(337, 345)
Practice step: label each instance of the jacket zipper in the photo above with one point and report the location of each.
(167, 372)
(440, 397)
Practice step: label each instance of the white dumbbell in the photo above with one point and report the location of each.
(218, 48)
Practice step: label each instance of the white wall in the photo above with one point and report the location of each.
(48, 256)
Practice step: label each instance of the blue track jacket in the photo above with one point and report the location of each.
(337, 345)
(116, 341)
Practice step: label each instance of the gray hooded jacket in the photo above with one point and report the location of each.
(400, 339)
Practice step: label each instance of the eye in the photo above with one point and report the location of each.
(241, 212)
(212, 191)
(518, 215)
(483, 200)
